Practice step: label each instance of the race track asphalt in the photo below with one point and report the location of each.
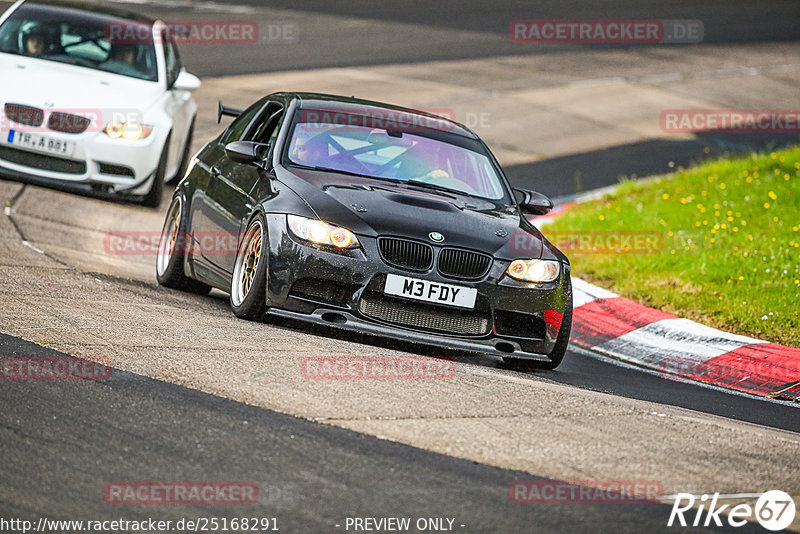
(63, 441)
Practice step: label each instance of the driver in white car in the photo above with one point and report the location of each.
(122, 59)
(34, 42)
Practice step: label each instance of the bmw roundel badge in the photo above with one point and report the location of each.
(436, 236)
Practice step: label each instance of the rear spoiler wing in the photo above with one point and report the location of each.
(230, 112)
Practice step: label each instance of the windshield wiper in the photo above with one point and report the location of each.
(340, 171)
(433, 186)
(391, 180)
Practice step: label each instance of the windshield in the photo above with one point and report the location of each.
(439, 159)
(78, 38)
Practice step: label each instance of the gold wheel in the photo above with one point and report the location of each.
(247, 262)
(169, 236)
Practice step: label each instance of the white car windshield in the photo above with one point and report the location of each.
(81, 38)
(419, 155)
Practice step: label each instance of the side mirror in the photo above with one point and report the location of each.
(246, 152)
(533, 202)
(187, 82)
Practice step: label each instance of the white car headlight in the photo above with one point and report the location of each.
(534, 270)
(322, 233)
(130, 130)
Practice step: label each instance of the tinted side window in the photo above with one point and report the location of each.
(238, 126)
(270, 122)
(172, 60)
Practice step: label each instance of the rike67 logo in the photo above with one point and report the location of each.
(775, 510)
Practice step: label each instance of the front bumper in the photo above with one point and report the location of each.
(98, 164)
(347, 321)
(510, 318)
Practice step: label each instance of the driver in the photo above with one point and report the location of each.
(432, 156)
(122, 59)
(419, 159)
(309, 153)
(124, 53)
(34, 42)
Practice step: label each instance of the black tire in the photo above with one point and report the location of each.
(559, 350)
(172, 251)
(153, 197)
(187, 153)
(249, 280)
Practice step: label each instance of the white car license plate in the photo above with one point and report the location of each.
(41, 143)
(412, 288)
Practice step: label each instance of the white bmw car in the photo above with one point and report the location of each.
(94, 101)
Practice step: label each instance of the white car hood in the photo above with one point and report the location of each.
(48, 84)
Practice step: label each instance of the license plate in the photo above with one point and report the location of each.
(41, 143)
(434, 292)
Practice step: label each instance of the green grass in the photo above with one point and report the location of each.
(728, 247)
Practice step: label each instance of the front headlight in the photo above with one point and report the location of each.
(534, 270)
(130, 130)
(322, 233)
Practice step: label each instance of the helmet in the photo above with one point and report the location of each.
(119, 50)
(37, 31)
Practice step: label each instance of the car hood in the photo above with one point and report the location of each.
(48, 84)
(378, 208)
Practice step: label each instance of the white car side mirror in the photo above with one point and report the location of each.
(187, 82)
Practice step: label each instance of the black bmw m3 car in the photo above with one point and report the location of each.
(373, 218)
